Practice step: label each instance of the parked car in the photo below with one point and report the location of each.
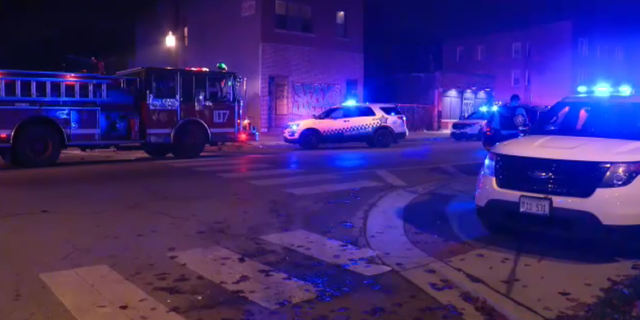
(470, 128)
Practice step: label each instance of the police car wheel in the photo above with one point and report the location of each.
(309, 140)
(383, 138)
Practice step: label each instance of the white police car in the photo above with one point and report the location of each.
(377, 125)
(471, 126)
(575, 170)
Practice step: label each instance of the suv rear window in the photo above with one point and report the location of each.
(391, 111)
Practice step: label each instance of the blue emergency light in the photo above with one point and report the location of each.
(485, 108)
(605, 89)
(350, 103)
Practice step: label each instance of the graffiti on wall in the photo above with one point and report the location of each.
(310, 99)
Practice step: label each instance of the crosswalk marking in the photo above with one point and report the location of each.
(248, 278)
(260, 173)
(329, 250)
(333, 187)
(390, 178)
(209, 163)
(296, 179)
(234, 167)
(99, 293)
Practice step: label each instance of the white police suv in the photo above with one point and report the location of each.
(471, 126)
(377, 125)
(576, 169)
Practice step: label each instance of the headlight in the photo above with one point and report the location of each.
(293, 127)
(489, 167)
(620, 175)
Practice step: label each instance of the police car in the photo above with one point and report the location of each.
(471, 126)
(576, 169)
(377, 125)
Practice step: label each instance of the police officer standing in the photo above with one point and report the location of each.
(507, 122)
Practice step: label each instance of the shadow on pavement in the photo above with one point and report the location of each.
(449, 221)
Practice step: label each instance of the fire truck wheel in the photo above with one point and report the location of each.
(309, 139)
(189, 141)
(157, 150)
(37, 146)
(383, 138)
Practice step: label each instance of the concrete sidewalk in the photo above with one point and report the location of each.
(276, 138)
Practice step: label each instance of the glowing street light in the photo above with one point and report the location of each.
(170, 40)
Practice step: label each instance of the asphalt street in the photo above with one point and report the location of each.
(274, 232)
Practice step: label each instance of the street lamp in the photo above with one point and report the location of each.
(170, 40)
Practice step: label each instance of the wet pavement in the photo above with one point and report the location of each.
(274, 232)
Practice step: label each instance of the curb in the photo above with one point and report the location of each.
(385, 234)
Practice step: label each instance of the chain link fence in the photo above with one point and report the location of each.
(419, 117)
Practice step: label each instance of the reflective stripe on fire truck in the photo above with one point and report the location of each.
(154, 131)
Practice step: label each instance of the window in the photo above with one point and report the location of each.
(164, 86)
(41, 89)
(219, 88)
(83, 90)
(25, 88)
(360, 112)
(329, 114)
(70, 90)
(481, 52)
(516, 50)
(528, 53)
(55, 89)
(619, 54)
(391, 111)
(460, 54)
(186, 36)
(187, 88)
(10, 88)
(581, 77)
(515, 78)
(583, 46)
(337, 113)
(293, 17)
(526, 78)
(98, 91)
(341, 24)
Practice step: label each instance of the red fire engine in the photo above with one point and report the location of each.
(159, 110)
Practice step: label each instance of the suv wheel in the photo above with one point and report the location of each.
(309, 139)
(383, 138)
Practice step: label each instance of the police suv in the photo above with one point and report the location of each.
(471, 126)
(576, 169)
(377, 125)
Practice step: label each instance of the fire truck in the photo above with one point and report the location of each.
(159, 110)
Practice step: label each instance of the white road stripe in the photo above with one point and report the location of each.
(213, 158)
(234, 167)
(390, 178)
(296, 179)
(99, 293)
(248, 278)
(329, 250)
(208, 163)
(333, 187)
(453, 171)
(260, 173)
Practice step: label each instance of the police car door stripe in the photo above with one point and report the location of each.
(333, 187)
(99, 293)
(259, 173)
(329, 250)
(239, 274)
(296, 179)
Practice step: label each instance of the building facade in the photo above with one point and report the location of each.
(547, 62)
(299, 56)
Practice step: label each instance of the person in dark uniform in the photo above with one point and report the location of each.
(506, 123)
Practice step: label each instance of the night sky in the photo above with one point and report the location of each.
(400, 35)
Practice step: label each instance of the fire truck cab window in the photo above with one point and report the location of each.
(220, 88)
(84, 90)
(56, 89)
(25, 88)
(70, 90)
(164, 86)
(187, 86)
(10, 89)
(98, 93)
(41, 89)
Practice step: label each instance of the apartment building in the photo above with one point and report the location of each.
(299, 56)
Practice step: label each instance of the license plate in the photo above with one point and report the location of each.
(541, 206)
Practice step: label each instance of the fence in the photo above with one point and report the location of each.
(419, 117)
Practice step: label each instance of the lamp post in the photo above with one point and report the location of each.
(170, 40)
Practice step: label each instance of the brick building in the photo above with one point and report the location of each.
(299, 56)
(545, 63)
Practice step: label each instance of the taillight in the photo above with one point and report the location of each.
(403, 118)
(242, 137)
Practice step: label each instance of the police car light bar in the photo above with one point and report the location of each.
(350, 103)
(604, 89)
